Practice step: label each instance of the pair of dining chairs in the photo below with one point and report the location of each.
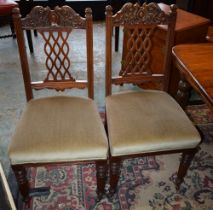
(68, 129)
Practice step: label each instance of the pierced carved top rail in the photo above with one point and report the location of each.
(64, 16)
(146, 14)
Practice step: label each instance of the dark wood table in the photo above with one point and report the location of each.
(190, 28)
(195, 63)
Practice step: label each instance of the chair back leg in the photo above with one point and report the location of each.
(184, 165)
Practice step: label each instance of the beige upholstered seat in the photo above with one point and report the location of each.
(74, 130)
(147, 121)
(58, 129)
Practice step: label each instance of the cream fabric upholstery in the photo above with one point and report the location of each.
(147, 121)
(59, 129)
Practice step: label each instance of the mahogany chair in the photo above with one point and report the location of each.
(6, 7)
(57, 129)
(144, 122)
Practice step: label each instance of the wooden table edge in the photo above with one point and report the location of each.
(191, 79)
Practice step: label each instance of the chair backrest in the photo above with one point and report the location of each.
(55, 27)
(140, 25)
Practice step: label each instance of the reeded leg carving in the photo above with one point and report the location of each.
(183, 92)
(21, 176)
(101, 168)
(115, 165)
(184, 165)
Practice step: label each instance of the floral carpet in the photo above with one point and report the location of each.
(145, 183)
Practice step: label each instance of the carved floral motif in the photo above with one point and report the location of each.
(146, 14)
(60, 16)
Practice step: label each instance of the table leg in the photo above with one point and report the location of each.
(35, 33)
(29, 39)
(183, 92)
(116, 38)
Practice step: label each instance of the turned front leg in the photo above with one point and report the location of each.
(101, 168)
(115, 168)
(21, 177)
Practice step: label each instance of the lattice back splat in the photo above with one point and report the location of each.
(55, 27)
(136, 56)
(56, 49)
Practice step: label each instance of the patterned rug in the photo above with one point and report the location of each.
(145, 183)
